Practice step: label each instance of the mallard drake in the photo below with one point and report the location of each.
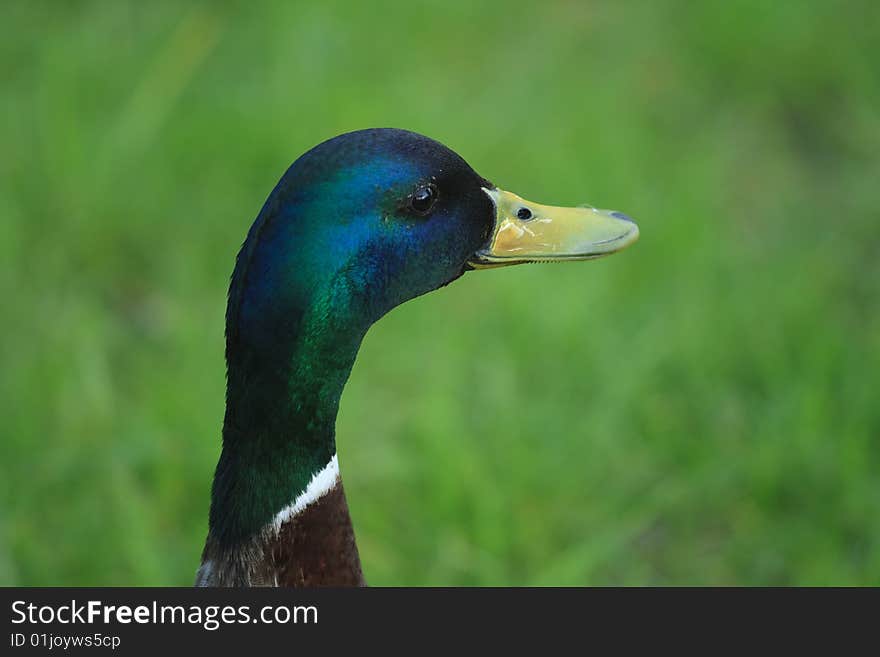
(356, 226)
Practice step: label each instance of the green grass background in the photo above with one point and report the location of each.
(701, 409)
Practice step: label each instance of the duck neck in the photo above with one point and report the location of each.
(278, 508)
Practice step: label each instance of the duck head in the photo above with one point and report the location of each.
(369, 219)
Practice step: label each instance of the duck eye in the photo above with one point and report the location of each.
(524, 213)
(422, 200)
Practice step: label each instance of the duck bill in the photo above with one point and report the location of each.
(530, 232)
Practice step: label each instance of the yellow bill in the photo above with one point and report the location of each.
(530, 232)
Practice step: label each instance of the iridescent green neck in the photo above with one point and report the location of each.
(278, 430)
(293, 332)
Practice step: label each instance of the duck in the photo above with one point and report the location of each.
(356, 226)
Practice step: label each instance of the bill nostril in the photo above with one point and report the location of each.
(620, 215)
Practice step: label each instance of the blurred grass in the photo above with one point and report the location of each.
(701, 409)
